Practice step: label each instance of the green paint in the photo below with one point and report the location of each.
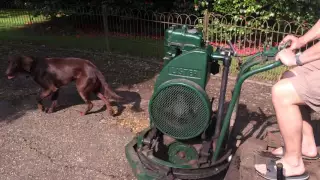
(187, 68)
(168, 164)
(190, 65)
(181, 153)
(189, 125)
(138, 169)
(234, 100)
(179, 39)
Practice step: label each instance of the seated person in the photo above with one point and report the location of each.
(293, 96)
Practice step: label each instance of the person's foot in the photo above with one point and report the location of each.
(308, 151)
(289, 169)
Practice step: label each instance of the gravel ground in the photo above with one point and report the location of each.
(64, 145)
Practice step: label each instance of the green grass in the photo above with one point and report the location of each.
(135, 47)
(10, 19)
(14, 27)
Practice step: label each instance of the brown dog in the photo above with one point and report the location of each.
(52, 73)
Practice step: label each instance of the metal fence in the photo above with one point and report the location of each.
(136, 32)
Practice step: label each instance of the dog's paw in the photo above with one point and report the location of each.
(136, 109)
(112, 113)
(49, 110)
(40, 107)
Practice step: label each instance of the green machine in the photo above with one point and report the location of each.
(186, 139)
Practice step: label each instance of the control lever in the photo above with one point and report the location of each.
(232, 48)
(234, 54)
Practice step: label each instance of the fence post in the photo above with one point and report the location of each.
(205, 26)
(105, 25)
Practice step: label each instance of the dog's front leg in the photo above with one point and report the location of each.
(43, 94)
(54, 99)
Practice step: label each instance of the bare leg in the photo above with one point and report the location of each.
(286, 103)
(308, 142)
(108, 105)
(43, 94)
(54, 100)
(309, 147)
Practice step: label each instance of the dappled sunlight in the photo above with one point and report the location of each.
(134, 123)
(119, 71)
(140, 33)
(10, 19)
(74, 31)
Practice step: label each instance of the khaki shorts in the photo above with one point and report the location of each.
(307, 83)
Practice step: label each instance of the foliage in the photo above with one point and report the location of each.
(291, 10)
(297, 10)
(259, 15)
(183, 6)
(243, 17)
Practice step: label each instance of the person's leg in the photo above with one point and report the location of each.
(287, 95)
(309, 148)
(286, 103)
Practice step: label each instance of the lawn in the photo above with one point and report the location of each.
(21, 26)
(15, 26)
(128, 46)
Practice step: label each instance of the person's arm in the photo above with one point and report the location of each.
(312, 34)
(310, 54)
(296, 43)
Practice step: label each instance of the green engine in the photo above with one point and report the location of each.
(180, 107)
(186, 139)
(179, 143)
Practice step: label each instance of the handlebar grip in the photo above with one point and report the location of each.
(285, 45)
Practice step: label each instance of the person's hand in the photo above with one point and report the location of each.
(287, 57)
(295, 42)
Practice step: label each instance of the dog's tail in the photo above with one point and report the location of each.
(107, 89)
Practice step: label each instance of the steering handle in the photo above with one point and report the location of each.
(285, 45)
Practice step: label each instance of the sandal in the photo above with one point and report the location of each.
(270, 155)
(272, 173)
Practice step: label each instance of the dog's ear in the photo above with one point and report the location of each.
(26, 63)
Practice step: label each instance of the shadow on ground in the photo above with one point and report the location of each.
(18, 96)
(257, 124)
